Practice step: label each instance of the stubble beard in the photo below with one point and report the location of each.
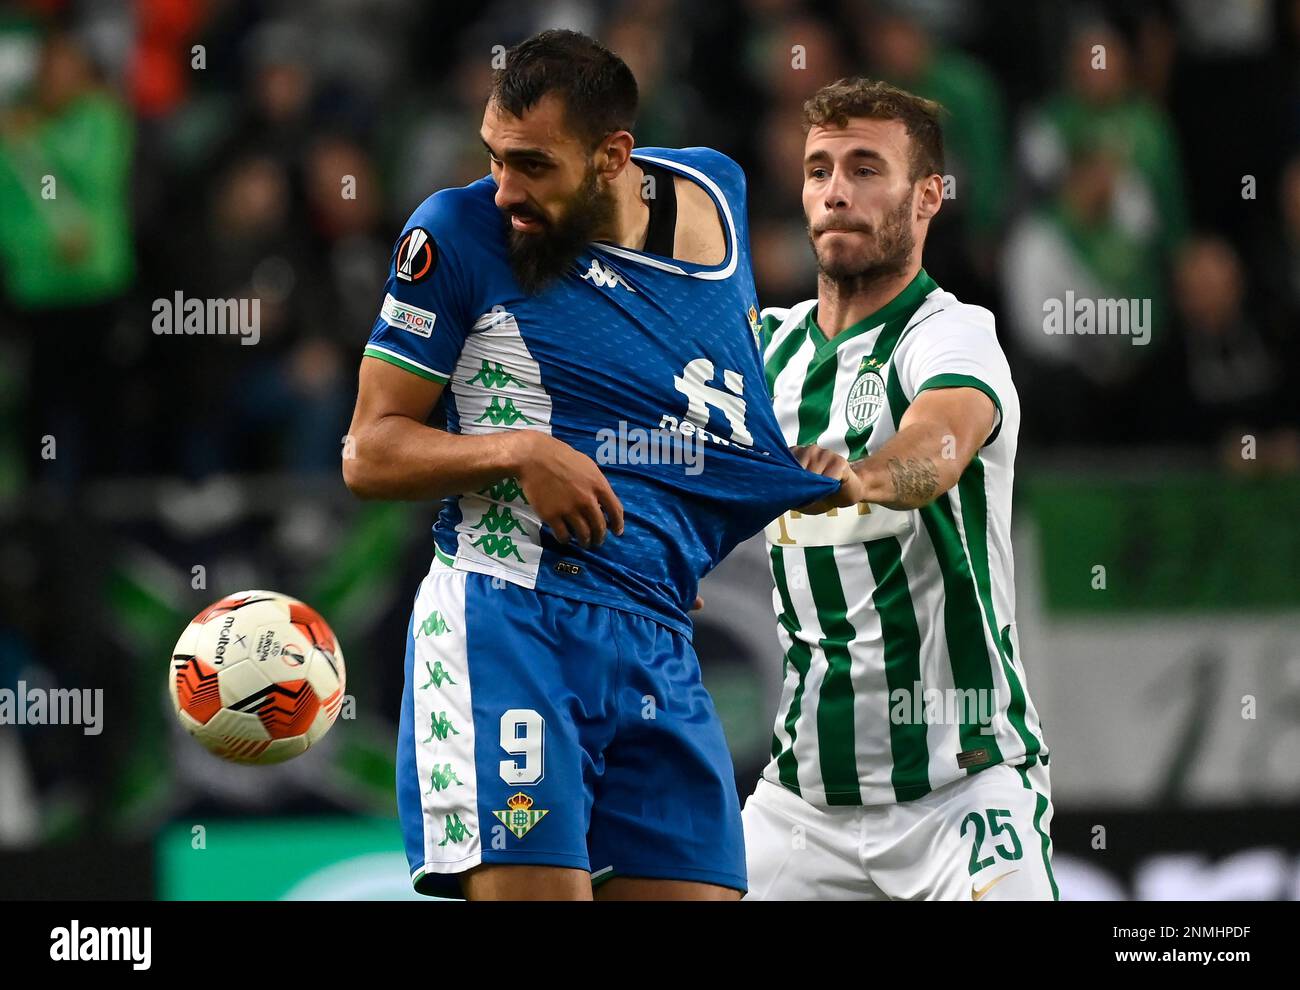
(889, 254)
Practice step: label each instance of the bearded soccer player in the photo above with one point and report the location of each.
(554, 728)
(907, 754)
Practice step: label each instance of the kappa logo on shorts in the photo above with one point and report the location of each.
(454, 830)
(433, 625)
(437, 675)
(522, 816)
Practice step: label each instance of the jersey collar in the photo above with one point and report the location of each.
(899, 309)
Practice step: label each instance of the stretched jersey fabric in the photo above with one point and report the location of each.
(902, 668)
(646, 364)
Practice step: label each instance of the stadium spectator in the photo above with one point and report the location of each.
(1235, 378)
(66, 252)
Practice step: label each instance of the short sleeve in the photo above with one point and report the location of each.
(955, 348)
(424, 317)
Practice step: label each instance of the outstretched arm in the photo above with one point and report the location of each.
(937, 437)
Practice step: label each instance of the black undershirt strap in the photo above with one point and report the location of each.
(661, 234)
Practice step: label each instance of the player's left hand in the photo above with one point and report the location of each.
(819, 460)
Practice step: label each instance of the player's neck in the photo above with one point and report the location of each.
(842, 303)
(631, 212)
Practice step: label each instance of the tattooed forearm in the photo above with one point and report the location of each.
(916, 482)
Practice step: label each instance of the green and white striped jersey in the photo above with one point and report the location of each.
(902, 667)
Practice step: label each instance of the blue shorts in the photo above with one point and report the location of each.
(543, 730)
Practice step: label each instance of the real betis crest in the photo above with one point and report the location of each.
(521, 817)
(866, 398)
(755, 324)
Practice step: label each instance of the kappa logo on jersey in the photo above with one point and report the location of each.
(412, 318)
(602, 277)
(417, 256)
(865, 400)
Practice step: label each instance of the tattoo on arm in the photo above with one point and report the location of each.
(916, 481)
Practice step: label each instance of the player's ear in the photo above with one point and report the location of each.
(613, 153)
(931, 198)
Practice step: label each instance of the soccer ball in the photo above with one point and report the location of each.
(257, 677)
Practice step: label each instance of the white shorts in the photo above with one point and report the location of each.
(983, 837)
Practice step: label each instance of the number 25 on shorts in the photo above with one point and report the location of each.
(995, 830)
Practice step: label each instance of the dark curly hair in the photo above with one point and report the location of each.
(598, 89)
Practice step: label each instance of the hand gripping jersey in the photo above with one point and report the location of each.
(646, 364)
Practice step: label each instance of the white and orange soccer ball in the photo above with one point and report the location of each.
(257, 677)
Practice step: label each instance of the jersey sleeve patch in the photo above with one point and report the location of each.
(417, 256)
(429, 297)
(404, 316)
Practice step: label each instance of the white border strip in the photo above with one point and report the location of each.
(402, 357)
(708, 184)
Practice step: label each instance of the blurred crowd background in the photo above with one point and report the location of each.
(1131, 150)
(1165, 168)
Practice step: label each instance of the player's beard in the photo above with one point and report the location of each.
(889, 251)
(538, 259)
